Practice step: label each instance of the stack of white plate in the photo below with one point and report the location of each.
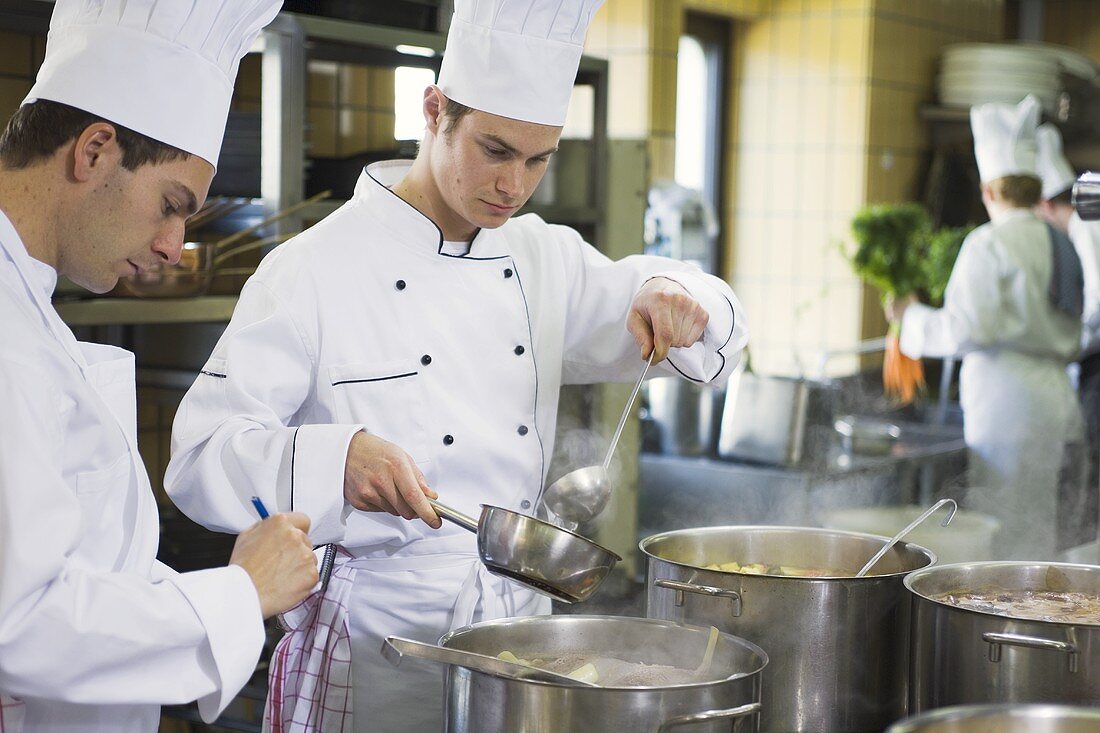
(975, 73)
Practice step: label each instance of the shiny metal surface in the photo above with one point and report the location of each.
(686, 415)
(396, 647)
(192, 275)
(964, 657)
(1086, 196)
(482, 703)
(909, 528)
(1003, 719)
(579, 496)
(838, 647)
(545, 558)
(866, 435)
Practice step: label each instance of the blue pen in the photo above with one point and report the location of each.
(260, 508)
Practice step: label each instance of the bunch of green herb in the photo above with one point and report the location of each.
(942, 250)
(889, 246)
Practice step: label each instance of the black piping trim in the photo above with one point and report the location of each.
(212, 374)
(733, 327)
(439, 247)
(293, 455)
(375, 379)
(535, 366)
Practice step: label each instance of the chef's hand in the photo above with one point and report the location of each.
(895, 307)
(278, 556)
(664, 315)
(380, 477)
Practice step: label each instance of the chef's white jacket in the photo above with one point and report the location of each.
(1086, 240)
(1019, 408)
(95, 634)
(365, 321)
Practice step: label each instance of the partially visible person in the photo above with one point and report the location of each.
(1012, 310)
(1082, 508)
(99, 169)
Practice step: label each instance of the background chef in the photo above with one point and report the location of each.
(1056, 207)
(418, 338)
(1012, 308)
(99, 169)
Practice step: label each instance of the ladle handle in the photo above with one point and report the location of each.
(894, 540)
(395, 647)
(626, 412)
(453, 515)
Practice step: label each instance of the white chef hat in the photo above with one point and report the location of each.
(1004, 138)
(163, 68)
(1055, 171)
(516, 58)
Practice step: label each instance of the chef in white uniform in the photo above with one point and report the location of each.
(1012, 309)
(416, 338)
(112, 150)
(1056, 208)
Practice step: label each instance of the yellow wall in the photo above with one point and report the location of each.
(824, 100)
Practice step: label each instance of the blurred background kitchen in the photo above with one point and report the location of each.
(744, 135)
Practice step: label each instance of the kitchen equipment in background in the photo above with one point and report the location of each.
(680, 223)
(685, 414)
(909, 528)
(196, 269)
(867, 436)
(340, 174)
(772, 420)
(238, 171)
(477, 702)
(969, 538)
(962, 656)
(547, 559)
(1003, 719)
(976, 73)
(396, 647)
(580, 495)
(838, 646)
(1086, 196)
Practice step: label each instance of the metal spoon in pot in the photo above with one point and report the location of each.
(395, 647)
(894, 540)
(580, 495)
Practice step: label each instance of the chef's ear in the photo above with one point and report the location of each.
(434, 105)
(96, 149)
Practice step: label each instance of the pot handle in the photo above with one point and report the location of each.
(704, 590)
(710, 715)
(996, 640)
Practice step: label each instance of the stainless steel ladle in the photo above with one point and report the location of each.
(580, 495)
(894, 540)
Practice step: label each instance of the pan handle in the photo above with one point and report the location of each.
(710, 715)
(453, 515)
(996, 640)
(704, 590)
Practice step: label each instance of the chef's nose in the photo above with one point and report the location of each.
(510, 180)
(169, 242)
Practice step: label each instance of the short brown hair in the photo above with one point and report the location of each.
(454, 111)
(1019, 191)
(38, 129)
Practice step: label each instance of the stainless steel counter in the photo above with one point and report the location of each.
(678, 492)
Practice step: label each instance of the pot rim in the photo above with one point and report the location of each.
(916, 575)
(786, 528)
(964, 712)
(524, 620)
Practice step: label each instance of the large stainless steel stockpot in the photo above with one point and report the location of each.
(477, 702)
(1003, 719)
(961, 656)
(838, 646)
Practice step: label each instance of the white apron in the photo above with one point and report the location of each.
(1020, 412)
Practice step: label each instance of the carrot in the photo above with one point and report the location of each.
(902, 377)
